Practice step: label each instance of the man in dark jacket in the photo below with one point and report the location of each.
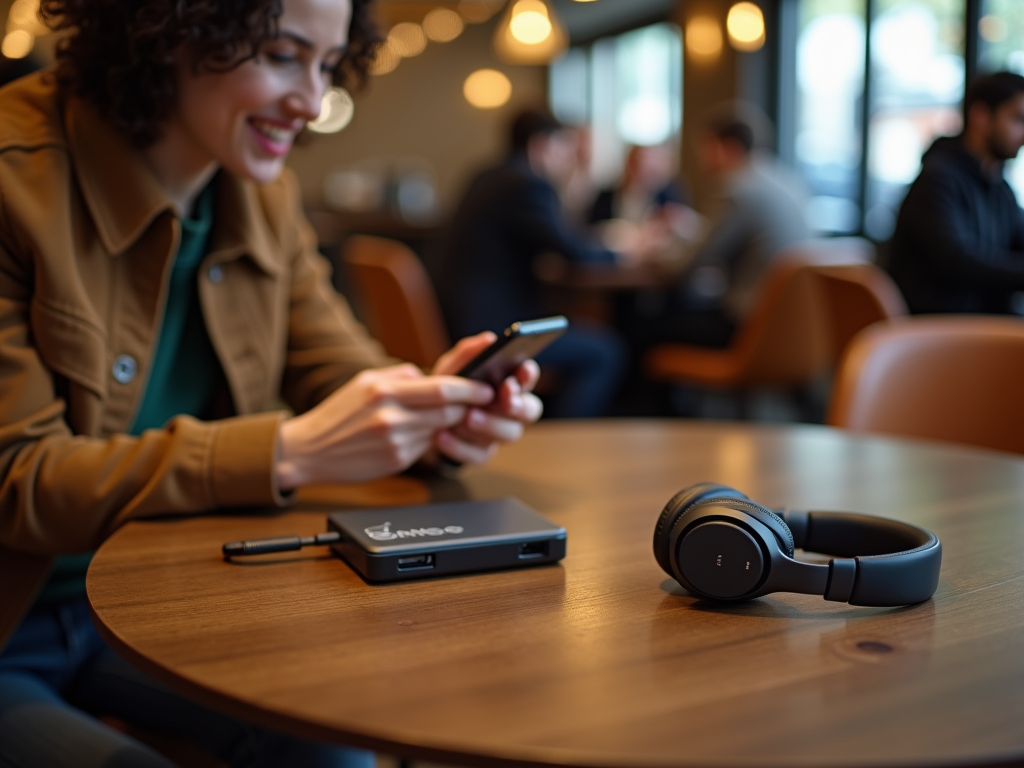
(959, 239)
(510, 215)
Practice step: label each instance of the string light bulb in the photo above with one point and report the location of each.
(478, 11)
(17, 44)
(407, 39)
(745, 24)
(703, 38)
(487, 89)
(442, 25)
(529, 33)
(336, 111)
(530, 23)
(385, 60)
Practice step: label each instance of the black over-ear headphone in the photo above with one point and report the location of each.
(720, 545)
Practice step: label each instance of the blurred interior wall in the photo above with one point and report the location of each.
(418, 110)
(707, 80)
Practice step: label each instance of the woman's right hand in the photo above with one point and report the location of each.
(378, 424)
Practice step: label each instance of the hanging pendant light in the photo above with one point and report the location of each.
(529, 33)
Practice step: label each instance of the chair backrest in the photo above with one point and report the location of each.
(789, 337)
(783, 340)
(856, 295)
(396, 299)
(832, 250)
(943, 377)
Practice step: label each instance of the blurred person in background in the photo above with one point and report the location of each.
(578, 189)
(958, 245)
(758, 209)
(648, 189)
(648, 196)
(509, 217)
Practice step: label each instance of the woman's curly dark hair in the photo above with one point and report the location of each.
(120, 54)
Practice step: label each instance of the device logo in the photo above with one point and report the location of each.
(383, 532)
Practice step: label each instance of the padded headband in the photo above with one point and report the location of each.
(892, 562)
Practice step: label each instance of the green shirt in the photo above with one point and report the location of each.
(184, 376)
(185, 370)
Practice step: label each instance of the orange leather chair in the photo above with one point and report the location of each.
(817, 295)
(399, 305)
(833, 250)
(856, 295)
(396, 299)
(785, 340)
(943, 377)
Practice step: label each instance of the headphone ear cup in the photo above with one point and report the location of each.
(677, 505)
(711, 527)
(775, 523)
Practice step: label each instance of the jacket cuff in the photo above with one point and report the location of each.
(243, 462)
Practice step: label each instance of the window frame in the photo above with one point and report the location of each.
(787, 14)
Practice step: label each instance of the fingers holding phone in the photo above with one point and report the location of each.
(455, 360)
(520, 342)
(506, 364)
(378, 423)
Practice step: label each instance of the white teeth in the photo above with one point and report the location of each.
(272, 132)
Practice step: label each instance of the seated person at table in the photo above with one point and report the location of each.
(159, 291)
(959, 239)
(509, 216)
(577, 190)
(647, 191)
(758, 210)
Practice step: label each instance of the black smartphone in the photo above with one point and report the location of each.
(519, 343)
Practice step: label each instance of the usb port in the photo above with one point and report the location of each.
(415, 562)
(530, 549)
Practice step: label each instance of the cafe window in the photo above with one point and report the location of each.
(626, 89)
(876, 81)
(1001, 33)
(829, 96)
(917, 84)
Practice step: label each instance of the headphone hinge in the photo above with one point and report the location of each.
(842, 575)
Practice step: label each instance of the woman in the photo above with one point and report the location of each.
(159, 291)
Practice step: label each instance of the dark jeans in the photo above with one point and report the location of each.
(589, 363)
(57, 676)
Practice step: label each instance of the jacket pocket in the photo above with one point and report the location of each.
(70, 346)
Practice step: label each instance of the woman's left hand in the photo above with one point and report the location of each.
(475, 439)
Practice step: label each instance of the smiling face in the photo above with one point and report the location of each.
(245, 120)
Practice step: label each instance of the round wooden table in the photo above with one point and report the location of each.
(603, 660)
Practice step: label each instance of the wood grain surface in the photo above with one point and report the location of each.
(603, 660)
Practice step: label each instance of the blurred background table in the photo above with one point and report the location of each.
(602, 292)
(602, 660)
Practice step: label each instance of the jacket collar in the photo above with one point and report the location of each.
(240, 228)
(125, 198)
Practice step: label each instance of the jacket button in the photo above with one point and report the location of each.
(125, 368)
(215, 274)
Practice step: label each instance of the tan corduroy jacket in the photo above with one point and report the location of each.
(87, 238)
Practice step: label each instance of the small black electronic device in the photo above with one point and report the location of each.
(400, 543)
(516, 345)
(720, 545)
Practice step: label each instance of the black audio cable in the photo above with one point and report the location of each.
(277, 544)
